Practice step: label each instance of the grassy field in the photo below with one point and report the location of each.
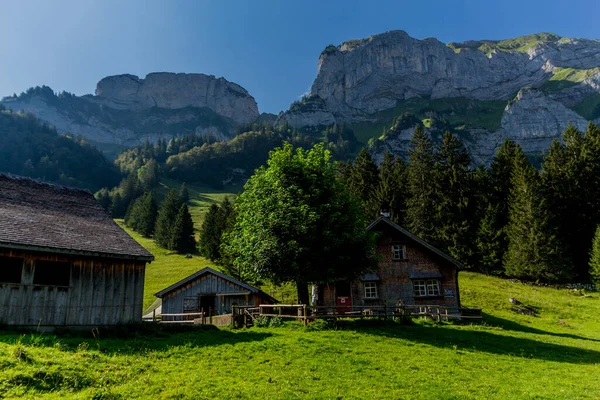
(555, 354)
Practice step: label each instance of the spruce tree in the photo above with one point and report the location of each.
(563, 180)
(534, 250)
(421, 203)
(143, 213)
(595, 259)
(210, 237)
(167, 215)
(182, 239)
(364, 180)
(184, 194)
(454, 210)
(493, 197)
(391, 194)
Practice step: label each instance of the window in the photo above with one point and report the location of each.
(52, 273)
(10, 269)
(424, 288)
(399, 252)
(371, 290)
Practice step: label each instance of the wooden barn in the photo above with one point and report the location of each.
(211, 292)
(63, 260)
(409, 269)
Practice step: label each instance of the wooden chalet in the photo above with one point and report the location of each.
(410, 270)
(208, 292)
(63, 260)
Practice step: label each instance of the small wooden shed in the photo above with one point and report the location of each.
(211, 292)
(63, 260)
(410, 270)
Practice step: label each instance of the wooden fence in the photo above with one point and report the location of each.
(301, 312)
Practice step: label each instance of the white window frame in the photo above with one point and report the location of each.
(426, 288)
(371, 290)
(399, 252)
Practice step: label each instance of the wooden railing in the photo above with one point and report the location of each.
(304, 313)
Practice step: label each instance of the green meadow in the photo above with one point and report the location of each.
(554, 354)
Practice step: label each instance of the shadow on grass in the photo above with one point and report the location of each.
(513, 326)
(465, 340)
(133, 339)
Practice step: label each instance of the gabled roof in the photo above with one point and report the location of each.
(208, 270)
(416, 239)
(39, 216)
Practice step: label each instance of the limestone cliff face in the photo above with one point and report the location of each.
(370, 75)
(127, 110)
(175, 91)
(542, 81)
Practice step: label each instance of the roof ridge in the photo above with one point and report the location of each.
(41, 182)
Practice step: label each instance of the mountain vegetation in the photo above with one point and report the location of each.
(31, 148)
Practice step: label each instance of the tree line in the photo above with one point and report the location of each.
(507, 219)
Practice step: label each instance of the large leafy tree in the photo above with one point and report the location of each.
(297, 222)
(421, 203)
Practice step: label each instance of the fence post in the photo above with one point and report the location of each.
(154, 315)
(304, 314)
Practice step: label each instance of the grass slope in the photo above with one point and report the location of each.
(510, 356)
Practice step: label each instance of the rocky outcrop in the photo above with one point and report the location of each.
(533, 115)
(127, 110)
(363, 77)
(531, 119)
(175, 91)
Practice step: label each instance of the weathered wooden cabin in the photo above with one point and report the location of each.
(210, 292)
(409, 269)
(63, 260)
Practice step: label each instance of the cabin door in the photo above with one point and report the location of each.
(208, 304)
(343, 300)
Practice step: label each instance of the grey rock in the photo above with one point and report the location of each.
(127, 110)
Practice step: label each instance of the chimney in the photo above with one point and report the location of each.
(385, 213)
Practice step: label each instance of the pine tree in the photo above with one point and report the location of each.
(167, 215)
(595, 259)
(493, 197)
(142, 216)
(421, 203)
(534, 251)
(454, 210)
(182, 239)
(210, 237)
(391, 193)
(364, 180)
(184, 194)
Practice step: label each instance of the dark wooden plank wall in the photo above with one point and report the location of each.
(207, 284)
(101, 292)
(394, 276)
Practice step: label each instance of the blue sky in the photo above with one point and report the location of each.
(270, 47)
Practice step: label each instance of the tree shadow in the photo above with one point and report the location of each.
(458, 339)
(513, 326)
(132, 339)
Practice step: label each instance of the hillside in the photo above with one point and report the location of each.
(127, 110)
(30, 148)
(553, 355)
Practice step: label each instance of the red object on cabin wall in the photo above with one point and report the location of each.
(344, 303)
